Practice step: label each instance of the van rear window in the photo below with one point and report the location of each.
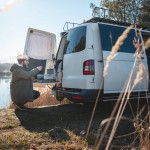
(76, 40)
(109, 35)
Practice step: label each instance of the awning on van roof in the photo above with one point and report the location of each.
(40, 44)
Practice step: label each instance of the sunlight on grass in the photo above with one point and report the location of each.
(45, 99)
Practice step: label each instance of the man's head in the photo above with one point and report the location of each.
(23, 60)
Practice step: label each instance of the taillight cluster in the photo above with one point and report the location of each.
(89, 67)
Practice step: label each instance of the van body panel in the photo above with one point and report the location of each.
(98, 57)
(121, 66)
(73, 65)
(73, 73)
(119, 71)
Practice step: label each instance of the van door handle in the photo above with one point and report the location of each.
(100, 60)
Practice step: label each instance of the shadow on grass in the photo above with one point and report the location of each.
(67, 116)
(72, 117)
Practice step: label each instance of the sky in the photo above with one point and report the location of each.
(46, 15)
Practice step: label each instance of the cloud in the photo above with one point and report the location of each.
(8, 6)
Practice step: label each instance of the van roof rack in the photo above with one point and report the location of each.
(103, 16)
(69, 25)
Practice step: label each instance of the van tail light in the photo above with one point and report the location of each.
(89, 67)
(77, 97)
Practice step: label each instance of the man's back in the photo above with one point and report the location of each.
(21, 87)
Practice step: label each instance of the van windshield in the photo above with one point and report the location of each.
(109, 35)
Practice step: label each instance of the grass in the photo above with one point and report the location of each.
(45, 99)
(141, 124)
(58, 127)
(50, 124)
(63, 125)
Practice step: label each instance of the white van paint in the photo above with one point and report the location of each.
(118, 72)
(73, 65)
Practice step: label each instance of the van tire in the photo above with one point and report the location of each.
(59, 97)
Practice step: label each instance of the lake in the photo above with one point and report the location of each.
(5, 99)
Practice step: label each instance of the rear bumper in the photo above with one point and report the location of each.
(82, 95)
(90, 95)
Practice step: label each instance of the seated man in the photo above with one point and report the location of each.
(21, 86)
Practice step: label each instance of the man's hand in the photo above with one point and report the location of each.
(147, 44)
(34, 79)
(40, 68)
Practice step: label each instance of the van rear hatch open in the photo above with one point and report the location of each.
(40, 46)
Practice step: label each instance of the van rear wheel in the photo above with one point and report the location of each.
(59, 97)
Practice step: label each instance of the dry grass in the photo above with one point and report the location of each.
(45, 99)
(115, 48)
(142, 125)
(22, 129)
(70, 123)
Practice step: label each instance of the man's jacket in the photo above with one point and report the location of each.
(21, 86)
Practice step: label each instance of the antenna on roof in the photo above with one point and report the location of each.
(69, 25)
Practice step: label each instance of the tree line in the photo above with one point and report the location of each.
(133, 11)
(5, 67)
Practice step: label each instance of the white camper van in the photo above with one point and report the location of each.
(81, 57)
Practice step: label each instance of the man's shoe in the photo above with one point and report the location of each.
(20, 106)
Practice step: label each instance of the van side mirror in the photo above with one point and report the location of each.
(53, 57)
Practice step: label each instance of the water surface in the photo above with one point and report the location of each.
(5, 99)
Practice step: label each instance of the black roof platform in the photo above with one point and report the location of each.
(103, 16)
(103, 20)
(144, 26)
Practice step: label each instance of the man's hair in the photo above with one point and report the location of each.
(21, 58)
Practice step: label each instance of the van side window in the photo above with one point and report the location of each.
(109, 35)
(146, 37)
(76, 40)
(62, 48)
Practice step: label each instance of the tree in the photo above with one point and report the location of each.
(129, 10)
(145, 12)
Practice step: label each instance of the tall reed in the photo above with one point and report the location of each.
(115, 48)
(122, 101)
